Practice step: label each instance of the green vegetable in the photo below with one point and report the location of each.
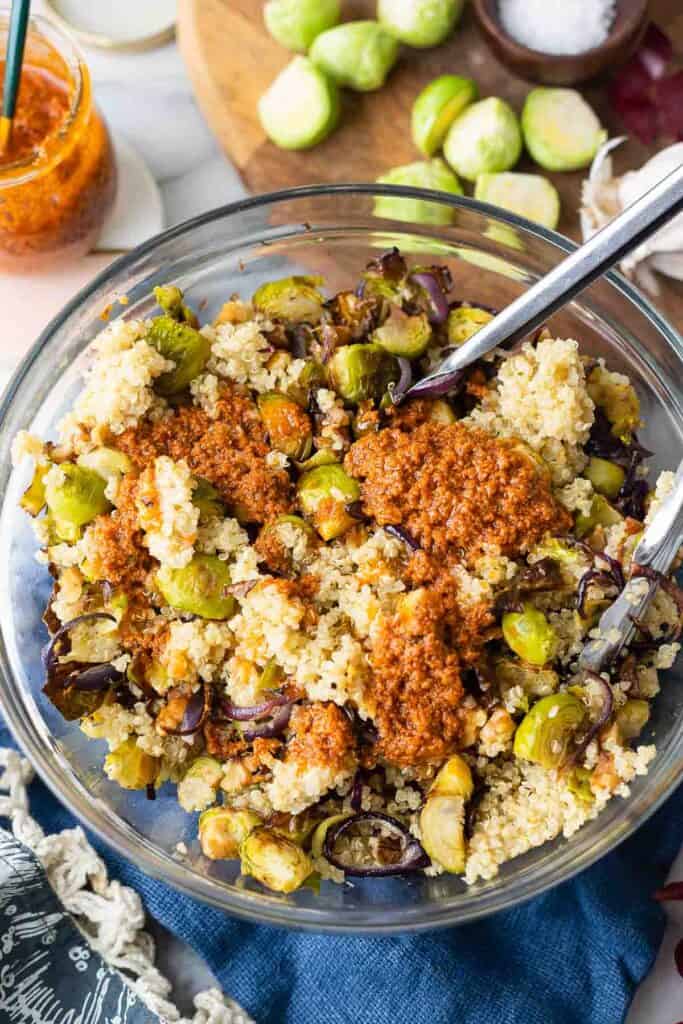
(360, 372)
(357, 54)
(605, 476)
(632, 718)
(601, 514)
(301, 107)
(432, 174)
(207, 499)
(33, 498)
(292, 299)
(199, 588)
(437, 107)
(404, 335)
(528, 195)
(579, 783)
(170, 298)
(560, 130)
(318, 840)
(616, 396)
(534, 680)
(323, 494)
(323, 457)
(78, 496)
(287, 424)
(182, 345)
(545, 734)
(441, 412)
(442, 827)
(530, 635)
(222, 830)
(130, 766)
(464, 321)
(420, 23)
(296, 23)
(566, 554)
(274, 861)
(108, 463)
(454, 778)
(484, 139)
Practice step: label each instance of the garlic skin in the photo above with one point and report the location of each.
(603, 196)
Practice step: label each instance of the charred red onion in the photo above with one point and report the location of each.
(402, 534)
(50, 652)
(196, 712)
(248, 713)
(357, 791)
(397, 391)
(437, 303)
(604, 716)
(413, 857)
(97, 677)
(273, 727)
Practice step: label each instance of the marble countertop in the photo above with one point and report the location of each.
(147, 99)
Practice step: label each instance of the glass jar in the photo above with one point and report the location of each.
(58, 178)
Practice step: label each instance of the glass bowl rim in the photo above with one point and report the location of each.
(250, 905)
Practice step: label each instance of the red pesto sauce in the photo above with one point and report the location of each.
(42, 106)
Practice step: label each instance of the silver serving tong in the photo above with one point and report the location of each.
(656, 550)
(528, 312)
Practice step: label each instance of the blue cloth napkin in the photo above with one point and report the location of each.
(572, 956)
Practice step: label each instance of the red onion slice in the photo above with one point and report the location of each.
(99, 677)
(196, 713)
(398, 390)
(433, 292)
(275, 727)
(402, 534)
(50, 653)
(413, 855)
(248, 713)
(603, 717)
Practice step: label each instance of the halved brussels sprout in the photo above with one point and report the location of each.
(464, 321)
(182, 345)
(301, 106)
(601, 514)
(560, 551)
(437, 107)
(632, 718)
(222, 830)
(560, 130)
(528, 195)
(535, 681)
(320, 834)
(288, 425)
(616, 396)
(356, 54)
(108, 462)
(198, 786)
(442, 828)
(420, 23)
(76, 497)
(199, 588)
(323, 457)
(403, 335)
(579, 783)
(207, 499)
(292, 299)
(607, 477)
(130, 766)
(274, 861)
(296, 23)
(454, 778)
(546, 732)
(361, 372)
(323, 495)
(33, 498)
(432, 174)
(530, 635)
(484, 139)
(170, 298)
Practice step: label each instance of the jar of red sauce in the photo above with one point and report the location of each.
(58, 176)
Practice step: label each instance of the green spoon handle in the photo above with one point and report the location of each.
(14, 57)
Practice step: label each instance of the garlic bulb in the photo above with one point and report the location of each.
(603, 196)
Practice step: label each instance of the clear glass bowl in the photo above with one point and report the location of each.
(331, 230)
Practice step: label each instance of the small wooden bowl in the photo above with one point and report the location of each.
(559, 69)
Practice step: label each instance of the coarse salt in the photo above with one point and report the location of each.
(572, 26)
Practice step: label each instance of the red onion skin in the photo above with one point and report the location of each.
(401, 534)
(275, 727)
(438, 303)
(99, 677)
(603, 717)
(49, 654)
(397, 392)
(196, 713)
(248, 713)
(416, 862)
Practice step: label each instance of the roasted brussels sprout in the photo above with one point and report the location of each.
(170, 298)
(484, 139)
(361, 372)
(33, 498)
(437, 107)
(632, 718)
(323, 495)
(607, 477)
(108, 462)
(318, 840)
(356, 54)
(207, 499)
(547, 731)
(222, 830)
(274, 861)
(464, 321)
(442, 828)
(287, 424)
(454, 778)
(579, 783)
(404, 335)
(75, 495)
(441, 412)
(130, 766)
(197, 788)
(199, 588)
(432, 174)
(535, 681)
(323, 457)
(560, 130)
(182, 345)
(301, 106)
(528, 195)
(601, 514)
(420, 23)
(292, 299)
(566, 554)
(530, 635)
(296, 23)
(615, 395)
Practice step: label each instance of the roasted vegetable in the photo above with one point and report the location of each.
(182, 345)
(560, 130)
(170, 298)
(287, 424)
(607, 478)
(404, 335)
(356, 54)
(454, 778)
(324, 494)
(74, 496)
(321, 830)
(130, 766)
(207, 500)
(530, 635)
(33, 498)
(198, 786)
(601, 514)
(616, 396)
(534, 680)
(420, 23)
(442, 828)
(199, 588)
(109, 463)
(361, 372)
(464, 321)
(484, 139)
(296, 23)
(301, 106)
(274, 861)
(293, 299)
(437, 107)
(432, 174)
(547, 731)
(632, 718)
(222, 830)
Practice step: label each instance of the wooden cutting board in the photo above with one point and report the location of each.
(231, 60)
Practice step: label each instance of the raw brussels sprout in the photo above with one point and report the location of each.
(535, 681)
(632, 718)
(442, 828)
(601, 514)
(207, 499)
(545, 734)
(199, 588)
(197, 788)
(560, 130)
(78, 496)
(357, 54)
(301, 106)
(296, 23)
(318, 840)
(109, 463)
(528, 195)
(288, 425)
(454, 778)
(359, 372)
(404, 335)
(170, 298)
(605, 476)
(274, 861)
(222, 830)
(33, 498)
(437, 107)
(530, 635)
(484, 139)
(182, 345)
(464, 321)
(293, 299)
(323, 494)
(130, 766)
(420, 23)
(432, 174)
(615, 395)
